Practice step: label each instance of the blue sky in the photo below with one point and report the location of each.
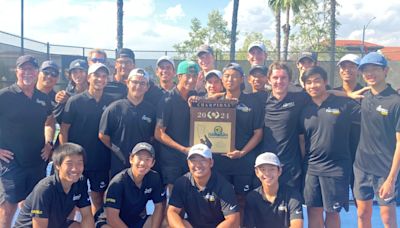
(158, 24)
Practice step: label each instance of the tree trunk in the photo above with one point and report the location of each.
(278, 33)
(120, 15)
(286, 29)
(332, 41)
(233, 30)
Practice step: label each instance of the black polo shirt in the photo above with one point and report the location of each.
(83, 112)
(154, 94)
(327, 134)
(116, 90)
(123, 194)
(249, 117)
(48, 200)
(208, 207)
(174, 113)
(281, 131)
(22, 121)
(127, 124)
(259, 211)
(380, 121)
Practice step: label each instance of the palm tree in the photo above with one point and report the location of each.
(120, 15)
(276, 6)
(233, 31)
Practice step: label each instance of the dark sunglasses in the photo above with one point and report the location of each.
(51, 73)
(98, 60)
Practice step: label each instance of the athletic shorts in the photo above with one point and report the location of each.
(98, 180)
(331, 193)
(366, 186)
(17, 182)
(100, 219)
(241, 183)
(169, 174)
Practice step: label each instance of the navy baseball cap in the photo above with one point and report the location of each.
(234, 66)
(262, 68)
(143, 146)
(50, 64)
(126, 52)
(26, 59)
(373, 58)
(204, 48)
(78, 64)
(308, 55)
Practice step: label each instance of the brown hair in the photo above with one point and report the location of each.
(279, 66)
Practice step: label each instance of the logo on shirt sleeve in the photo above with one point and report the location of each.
(110, 200)
(36, 212)
(382, 111)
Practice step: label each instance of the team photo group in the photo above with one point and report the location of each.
(119, 138)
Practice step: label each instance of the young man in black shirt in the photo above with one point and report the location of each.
(24, 148)
(131, 189)
(272, 204)
(128, 121)
(80, 124)
(377, 161)
(52, 201)
(206, 197)
(326, 123)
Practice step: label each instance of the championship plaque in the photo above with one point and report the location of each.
(212, 122)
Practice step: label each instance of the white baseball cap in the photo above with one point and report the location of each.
(351, 58)
(96, 66)
(139, 72)
(267, 158)
(201, 150)
(167, 59)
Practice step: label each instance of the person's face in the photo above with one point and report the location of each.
(96, 58)
(48, 78)
(213, 85)
(348, 71)
(257, 80)
(79, 76)
(374, 75)
(27, 75)
(98, 79)
(206, 61)
(315, 86)
(256, 56)
(137, 86)
(188, 81)
(141, 162)
(232, 79)
(268, 174)
(305, 64)
(279, 81)
(165, 71)
(71, 169)
(123, 66)
(199, 166)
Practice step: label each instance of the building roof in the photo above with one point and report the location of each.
(391, 53)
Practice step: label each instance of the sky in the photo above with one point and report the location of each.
(159, 24)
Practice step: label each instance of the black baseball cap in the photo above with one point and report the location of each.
(26, 59)
(78, 64)
(126, 52)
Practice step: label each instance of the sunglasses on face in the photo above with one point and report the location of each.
(51, 73)
(98, 60)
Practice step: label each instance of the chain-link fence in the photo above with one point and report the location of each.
(10, 49)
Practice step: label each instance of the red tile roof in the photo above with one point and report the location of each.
(391, 53)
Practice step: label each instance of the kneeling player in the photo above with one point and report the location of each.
(130, 190)
(272, 204)
(52, 201)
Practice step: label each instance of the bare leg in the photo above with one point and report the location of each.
(364, 213)
(315, 217)
(97, 201)
(388, 215)
(7, 211)
(332, 220)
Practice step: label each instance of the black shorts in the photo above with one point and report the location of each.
(100, 219)
(17, 182)
(169, 174)
(366, 186)
(98, 180)
(241, 183)
(331, 193)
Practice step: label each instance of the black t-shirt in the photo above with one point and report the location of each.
(116, 90)
(22, 121)
(123, 194)
(83, 113)
(327, 134)
(281, 131)
(249, 117)
(208, 207)
(174, 114)
(380, 121)
(127, 124)
(48, 200)
(259, 212)
(154, 94)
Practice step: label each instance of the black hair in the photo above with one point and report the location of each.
(313, 71)
(67, 149)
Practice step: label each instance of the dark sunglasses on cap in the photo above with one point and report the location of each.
(51, 73)
(98, 60)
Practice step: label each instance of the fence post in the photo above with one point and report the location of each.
(83, 52)
(48, 50)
